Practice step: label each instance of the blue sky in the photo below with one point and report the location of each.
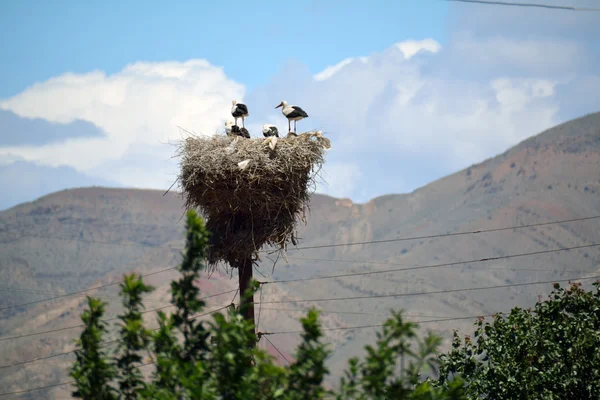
(408, 91)
(251, 40)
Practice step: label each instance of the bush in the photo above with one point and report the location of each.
(550, 352)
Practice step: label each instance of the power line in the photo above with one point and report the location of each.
(52, 386)
(538, 5)
(2, 339)
(380, 325)
(103, 343)
(82, 291)
(377, 296)
(90, 241)
(416, 315)
(343, 328)
(275, 347)
(434, 265)
(337, 260)
(507, 228)
(325, 245)
(36, 388)
(36, 291)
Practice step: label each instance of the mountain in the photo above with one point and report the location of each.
(81, 238)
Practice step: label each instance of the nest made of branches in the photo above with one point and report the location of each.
(251, 192)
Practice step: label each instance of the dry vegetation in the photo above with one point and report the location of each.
(251, 192)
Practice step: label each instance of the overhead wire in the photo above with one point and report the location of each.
(364, 262)
(73, 351)
(36, 291)
(103, 343)
(372, 314)
(89, 241)
(82, 291)
(25, 335)
(332, 244)
(441, 235)
(378, 296)
(536, 5)
(276, 349)
(52, 386)
(342, 328)
(479, 260)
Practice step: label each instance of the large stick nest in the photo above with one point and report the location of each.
(252, 192)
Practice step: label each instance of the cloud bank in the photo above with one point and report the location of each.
(139, 109)
(15, 130)
(398, 119)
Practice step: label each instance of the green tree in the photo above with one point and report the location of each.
(134, 337)
(92, 370)
(195, 359)
(550, 352)
(307, 373)
(377, 377)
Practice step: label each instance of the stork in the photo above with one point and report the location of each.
(243, 132)
(270, 130)
(292, 113)
(231, 129)
(239, 110)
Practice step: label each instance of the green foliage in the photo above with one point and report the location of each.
(134, 337)
(306, 374)
(550, 352)
(92, 371)
(377, 378)
(185, 295)
(194, 359)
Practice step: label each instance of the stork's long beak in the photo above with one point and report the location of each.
(280, 104)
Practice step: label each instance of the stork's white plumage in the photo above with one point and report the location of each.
(292, 113)
(239, 110)
(270, 130)
(271, 141)
(231, 129)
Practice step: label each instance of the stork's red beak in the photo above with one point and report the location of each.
(279, 105)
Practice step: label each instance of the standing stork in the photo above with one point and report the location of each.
(270, 130)
(239, 110)
(292, 113)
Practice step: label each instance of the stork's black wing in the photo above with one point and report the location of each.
(272, 131)
(298, 112)
(244, 133)
(242, 108)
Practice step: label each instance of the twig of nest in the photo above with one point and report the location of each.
(252, 192)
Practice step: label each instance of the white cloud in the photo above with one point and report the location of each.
(10, 159)
(412, 47)
(541, 56)
(339, 179)
(398, 121)
(516, 95)
(409, 49)
(331, 70)
(142, 105)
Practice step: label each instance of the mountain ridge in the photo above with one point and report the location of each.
(77, 238)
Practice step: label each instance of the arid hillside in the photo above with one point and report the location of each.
(82, 238)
